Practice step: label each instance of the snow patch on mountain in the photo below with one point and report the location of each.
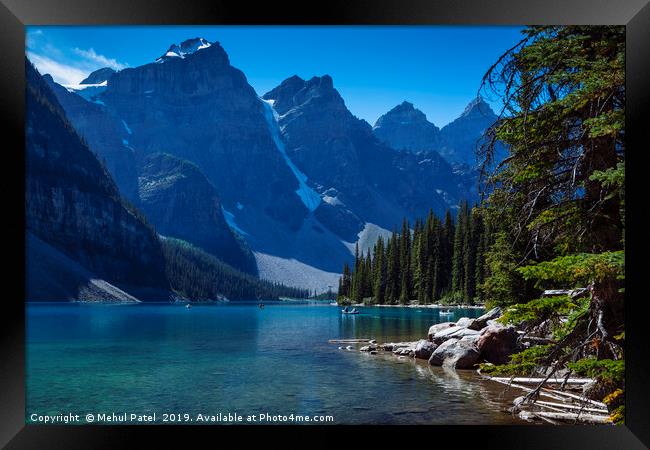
(185, 48)
(87, 91)
(230, 220)
(292, 272)
(126, 127)
(368, 237)
(309, 197)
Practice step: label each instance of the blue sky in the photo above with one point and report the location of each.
(437, 68)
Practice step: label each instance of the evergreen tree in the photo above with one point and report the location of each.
(405, 263)
(457, 268)
(379, 272)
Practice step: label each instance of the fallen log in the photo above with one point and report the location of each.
(576, 397)
(572, 417)
(570, 406)
(524, 380)
(551, 393)
(527, 389)
(537, 340)
(347, 341)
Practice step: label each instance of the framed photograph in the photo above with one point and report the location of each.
(357, 218)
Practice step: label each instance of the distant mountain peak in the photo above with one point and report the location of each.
(187, 47)
(98, 76)
(403, 114)
(323, 82)
(405, 105)
(295, 91)
(477, 106)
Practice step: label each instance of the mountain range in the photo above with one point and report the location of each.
(281, 185)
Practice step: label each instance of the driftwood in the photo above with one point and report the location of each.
(560, 406)
(523, 380)
(573, 293)
(571, 417)
(567, 407)
(527, 389)
(537, 340)
(347, 341)
(551, 393)
(577, 397)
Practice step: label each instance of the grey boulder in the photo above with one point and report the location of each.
(424, 349)
(439, 327)
(455, 353)
(453, 332)
(480, 322)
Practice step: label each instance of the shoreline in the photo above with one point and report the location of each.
(431, 306)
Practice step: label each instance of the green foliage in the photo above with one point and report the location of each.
(582, 268)
(561, 190)
(435, 261)
(520, 364)
(563, 328)
(607, 371)
(503, 284)
(200, 276)
(557, 203)
(536, 311)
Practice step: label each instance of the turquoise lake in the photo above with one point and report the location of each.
(164, 358)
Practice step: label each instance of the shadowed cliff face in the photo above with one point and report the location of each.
(407, 128)
(179, 201)
(197, 107)
(105, 135)
(340, 153)
(460, 139)
(72, 203)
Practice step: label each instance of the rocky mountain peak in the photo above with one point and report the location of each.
(295, 91)
(403, 114)
(476, 107)
(98, 76)
(323, 83)
(406, 128)
(187, 47)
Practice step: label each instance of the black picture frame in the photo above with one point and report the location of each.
(16, 14)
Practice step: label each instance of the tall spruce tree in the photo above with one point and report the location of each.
(405, 263)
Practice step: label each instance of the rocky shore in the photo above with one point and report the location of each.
(458, 345)
(464, 344)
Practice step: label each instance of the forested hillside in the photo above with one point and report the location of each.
(439, 260)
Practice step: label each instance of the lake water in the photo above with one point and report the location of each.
(164, 358)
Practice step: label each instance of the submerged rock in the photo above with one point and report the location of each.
(368, 348)
(424, 349)
(455, 353)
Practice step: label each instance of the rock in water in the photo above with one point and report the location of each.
(455, 353)
(453, 332)
(497, 343)
(464, 322)
(424, 349)
(481, 322)
(438, 327)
